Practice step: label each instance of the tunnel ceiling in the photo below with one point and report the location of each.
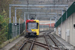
(41, 9)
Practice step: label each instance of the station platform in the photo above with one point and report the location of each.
(67, 46)
(10, 45)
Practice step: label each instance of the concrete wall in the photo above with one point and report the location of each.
(73, 29)
(57, 31)
(63, 30)
(67, 30)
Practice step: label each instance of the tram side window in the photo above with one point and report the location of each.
(37, 25)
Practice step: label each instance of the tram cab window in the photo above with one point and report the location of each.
(32, 26)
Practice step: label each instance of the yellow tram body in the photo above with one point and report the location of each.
(36, 30)
(32, 27)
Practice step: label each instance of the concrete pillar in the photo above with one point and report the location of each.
(24, 17)
(10, 14)
(15, 24)
(13, 20)
(19, 26)
(15, 17)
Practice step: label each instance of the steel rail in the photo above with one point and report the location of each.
(32, 45)
(42, 46)
(25, 42)
(54, 43)
(47, 42)
(23, 45)
(38, 43)
(59, 42)
(41, 43)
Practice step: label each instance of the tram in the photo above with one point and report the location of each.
(32, 28)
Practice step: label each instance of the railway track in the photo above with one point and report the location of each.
(30, 43)
(51, 43)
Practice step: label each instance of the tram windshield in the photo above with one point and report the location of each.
(32, 25)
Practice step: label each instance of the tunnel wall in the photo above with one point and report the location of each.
(65, 26)
(67, 30)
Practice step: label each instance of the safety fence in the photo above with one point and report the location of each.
(10, 31)
(43, 27)
(15, 29)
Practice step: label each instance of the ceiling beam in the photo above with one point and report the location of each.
(34, 5)
(39, 8)
(39, 13)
